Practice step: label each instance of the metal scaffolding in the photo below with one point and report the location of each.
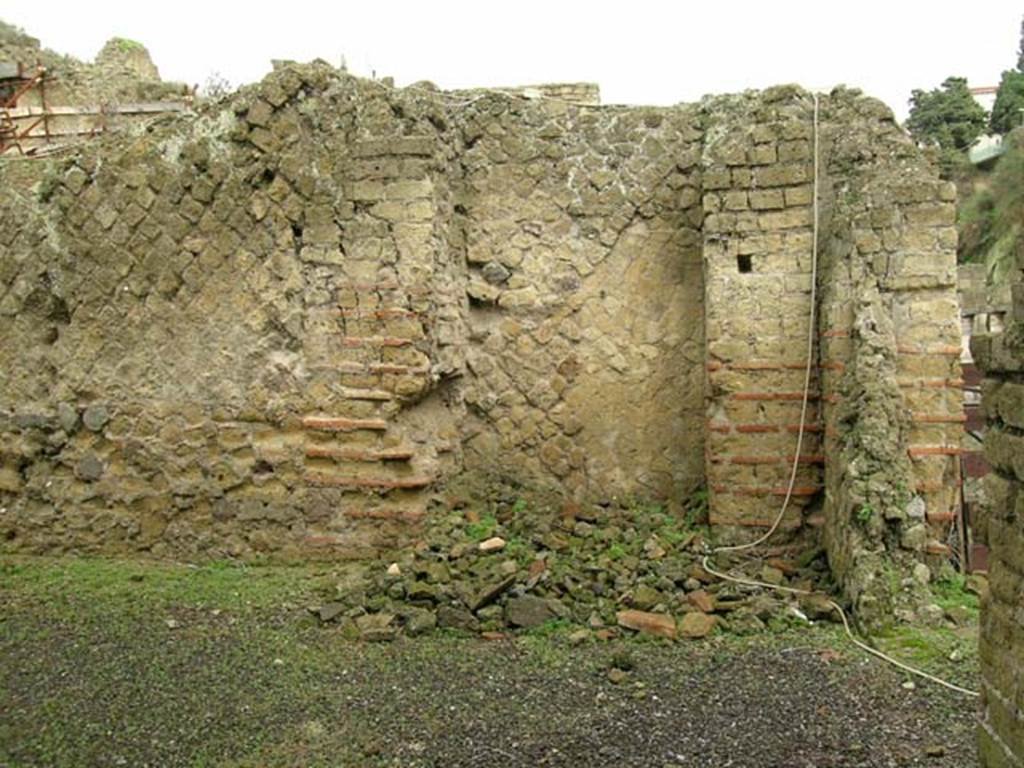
(39, 128)
(17, 80)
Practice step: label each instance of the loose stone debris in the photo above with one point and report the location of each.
(623, 570)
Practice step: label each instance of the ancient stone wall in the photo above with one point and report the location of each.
(757, 244)
(221, 327)
(284, 324)
(1000, 354)
(585, 297)
(889, 329)
(983, 309)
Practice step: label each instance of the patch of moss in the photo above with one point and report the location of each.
(126, 45)
(951, 592)
(482, 529)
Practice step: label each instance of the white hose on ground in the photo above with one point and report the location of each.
(846, 625)
(811, 327)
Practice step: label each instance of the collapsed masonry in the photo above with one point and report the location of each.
(282, 325)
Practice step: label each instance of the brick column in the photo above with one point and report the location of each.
(757, 265)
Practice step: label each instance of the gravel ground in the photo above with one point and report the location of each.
(100, 671)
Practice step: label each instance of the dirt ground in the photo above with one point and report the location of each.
(106, 663)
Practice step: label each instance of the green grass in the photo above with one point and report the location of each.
(87, 583)
(989, 221)
(553, 628)
(952, 593)
(949, 654)
(482, 529)
(519, 550)
(616, 552)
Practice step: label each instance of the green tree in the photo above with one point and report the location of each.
(1008, 110)
(1020, 49)
(947, 116)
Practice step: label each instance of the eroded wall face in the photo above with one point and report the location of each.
(1001, 356)
(889, 329)
(586, 298)
(284, 325)
(235, 337)
(281, 326)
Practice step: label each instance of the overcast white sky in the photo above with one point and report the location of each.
(639, 51)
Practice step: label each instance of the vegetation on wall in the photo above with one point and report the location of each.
(126, 45)
(992, 219)
(991, 215)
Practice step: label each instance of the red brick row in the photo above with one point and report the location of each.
(342, 424)
(357, 454)
(800, 490)
(934, 450)
(767, 460)
(374, 341)
(757, 428)
(375, 483)
(759, 396)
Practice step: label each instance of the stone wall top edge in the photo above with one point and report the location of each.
(839, 95)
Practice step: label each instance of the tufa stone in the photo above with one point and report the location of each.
(95, 417)
(645, 597)
(490, 593)
(67, 417)
(376, 627)
(617, 676)
(659, 624)
(419, 621)
(702, 601)
(528, 611)
(697, 625)
(451, 617)
(329, 611)
(495, 273)
(89, 468)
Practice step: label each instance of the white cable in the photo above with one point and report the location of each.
(796, 463)
(810, 360)
(706, 563)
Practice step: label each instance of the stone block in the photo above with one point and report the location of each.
(782, 175)
(767, 199)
